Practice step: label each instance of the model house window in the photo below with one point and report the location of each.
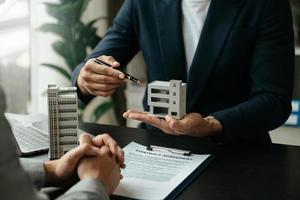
(159, 91)
(161, 100)
(14, 54)
(159, 110)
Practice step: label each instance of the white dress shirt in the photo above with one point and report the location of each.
(194, 13)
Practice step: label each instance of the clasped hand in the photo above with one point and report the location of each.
(99, 158)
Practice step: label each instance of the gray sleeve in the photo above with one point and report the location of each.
(14, 182)
(86, 189)
(35, 170)
(90, 189)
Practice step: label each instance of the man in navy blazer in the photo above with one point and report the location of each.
(240, 82)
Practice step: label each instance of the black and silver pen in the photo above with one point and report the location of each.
(171, 150)
(128, 76)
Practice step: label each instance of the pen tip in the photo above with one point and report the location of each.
(142, 83)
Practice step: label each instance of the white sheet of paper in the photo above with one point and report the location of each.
(154, 175)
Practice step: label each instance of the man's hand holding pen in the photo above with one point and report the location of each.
(100, 80)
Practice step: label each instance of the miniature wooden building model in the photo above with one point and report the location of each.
(167, 98)
(63, 120)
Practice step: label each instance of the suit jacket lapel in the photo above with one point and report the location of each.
(220, 19)
(168, 18)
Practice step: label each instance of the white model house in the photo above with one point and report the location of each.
(63, 120)
(167, 98)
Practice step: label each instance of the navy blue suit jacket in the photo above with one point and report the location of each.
(242, 72)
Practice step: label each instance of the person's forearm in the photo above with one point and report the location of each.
(86, 189)
(81, 95)
(35, 170)
(259, 114)
(271, 75)
(51, 179)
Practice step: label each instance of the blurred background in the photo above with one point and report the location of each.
(39, 42)
(38, 47)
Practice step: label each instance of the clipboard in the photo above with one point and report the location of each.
(180, 188)
(149, 179)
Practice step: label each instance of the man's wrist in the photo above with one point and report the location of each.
(214, 126)
(90, 185)
(96, 177)
(79, 85)
(49, 168)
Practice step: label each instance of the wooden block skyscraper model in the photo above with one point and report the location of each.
(63, 120)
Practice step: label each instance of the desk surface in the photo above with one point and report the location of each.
(271, 172)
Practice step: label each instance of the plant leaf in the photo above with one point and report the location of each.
(101, 110)
(66, 51)
(79, 8)
(59, 69)
(54, 11)
(84, 6)
(77, 37)
(81, 105)
(57, 29)
(87, 37)
(63, 12)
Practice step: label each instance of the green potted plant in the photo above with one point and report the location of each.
(77, 39)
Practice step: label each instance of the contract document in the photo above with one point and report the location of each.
(157, 174)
